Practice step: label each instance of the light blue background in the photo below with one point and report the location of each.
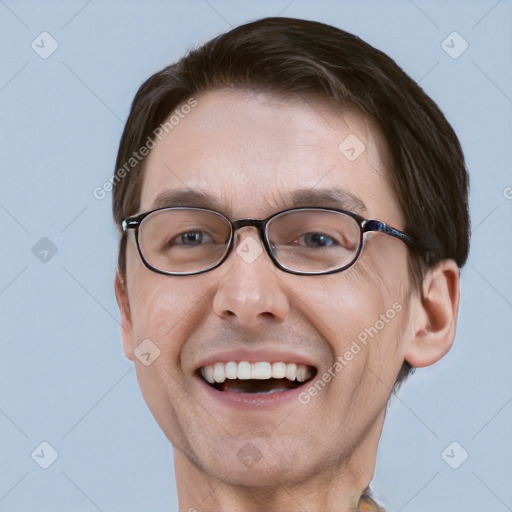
(63, 378)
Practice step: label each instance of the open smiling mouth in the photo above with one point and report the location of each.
(256, 378)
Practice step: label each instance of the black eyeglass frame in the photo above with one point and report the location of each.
(365, 226)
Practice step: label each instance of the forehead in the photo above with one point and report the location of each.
(248, 154)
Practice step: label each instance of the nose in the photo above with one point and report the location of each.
(251, 293)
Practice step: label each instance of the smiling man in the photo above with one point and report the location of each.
(293, 217)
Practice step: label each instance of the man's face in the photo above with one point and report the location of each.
(250, 153)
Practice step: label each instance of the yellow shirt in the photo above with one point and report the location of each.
(367, 504)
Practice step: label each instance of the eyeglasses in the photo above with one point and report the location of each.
(181, 241)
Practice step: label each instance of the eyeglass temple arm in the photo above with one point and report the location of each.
(130, 223)
(377, 225)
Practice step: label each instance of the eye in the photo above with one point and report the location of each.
(190, 239)
(318, 240)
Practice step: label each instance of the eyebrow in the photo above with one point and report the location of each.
(324, 197)
(327, 197)
(186, 197)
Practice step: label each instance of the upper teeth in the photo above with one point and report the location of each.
(244, 370)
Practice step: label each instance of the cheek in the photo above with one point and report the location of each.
(160, 312)
(149, 307)
(344, 303)
(167, 310)
(361, 307)
(153, 300)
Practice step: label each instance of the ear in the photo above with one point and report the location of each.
(435, 317)
(126, 319)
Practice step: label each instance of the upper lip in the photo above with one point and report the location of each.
(253, 356)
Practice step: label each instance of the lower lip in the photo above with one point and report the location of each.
(251, 401)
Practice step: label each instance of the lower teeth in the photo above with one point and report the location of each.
(257, 387)
(268, 392)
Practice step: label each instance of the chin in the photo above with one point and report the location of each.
(258, 463)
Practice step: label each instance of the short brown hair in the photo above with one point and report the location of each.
(287, 56)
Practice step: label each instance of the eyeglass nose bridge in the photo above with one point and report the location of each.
(242, 223)
(260, 225)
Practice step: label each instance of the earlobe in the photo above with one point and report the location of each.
(126, 320)
(436, 315)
